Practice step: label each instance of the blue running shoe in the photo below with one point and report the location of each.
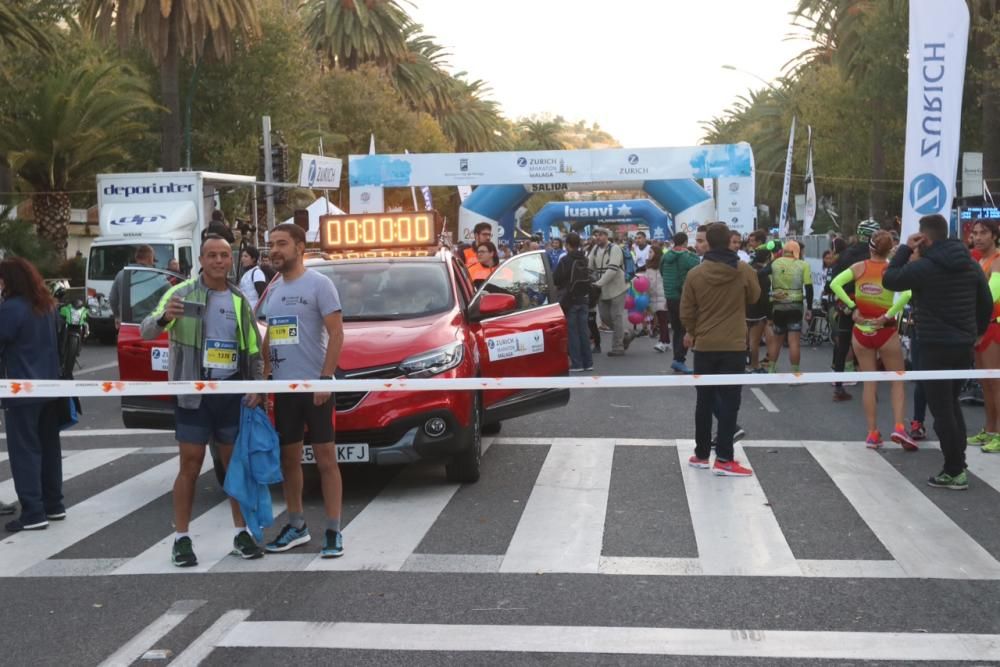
(681, 367)
(333, 545)
(289, 537)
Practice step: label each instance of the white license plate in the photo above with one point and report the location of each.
(349, 453)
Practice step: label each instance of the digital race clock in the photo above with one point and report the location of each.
(378, 230)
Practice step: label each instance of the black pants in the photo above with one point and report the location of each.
(942, 399)
(674, 308)
(595, 333)
(35, 459)
(841, 341)
(919, 396)
(724, 402)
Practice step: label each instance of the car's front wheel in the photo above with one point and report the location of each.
(464, 467)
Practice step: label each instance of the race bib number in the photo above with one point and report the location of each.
(220, 354)
(283, 330)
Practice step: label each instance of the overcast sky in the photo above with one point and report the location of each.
(647, 70)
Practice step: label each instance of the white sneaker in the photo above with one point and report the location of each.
(661, 347)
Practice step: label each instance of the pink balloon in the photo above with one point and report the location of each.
(629, 302)
(640, 284)
(636, 318)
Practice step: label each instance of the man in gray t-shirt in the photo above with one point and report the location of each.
(296, 336)
(221, 356)
(305, 331)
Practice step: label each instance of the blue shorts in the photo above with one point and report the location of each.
(218, 418)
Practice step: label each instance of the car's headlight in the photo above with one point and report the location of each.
(435, 361)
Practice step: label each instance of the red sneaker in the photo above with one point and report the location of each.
(695, 462)
(901, 437)
(874, 440)
(730, 469)
(917, 430)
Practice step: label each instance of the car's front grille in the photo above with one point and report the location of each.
(348, 400)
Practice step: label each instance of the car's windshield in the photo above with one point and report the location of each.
(106, 261)
(390, 290)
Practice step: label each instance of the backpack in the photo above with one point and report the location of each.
(580, 283)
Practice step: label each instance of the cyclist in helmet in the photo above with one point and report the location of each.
(857, 252)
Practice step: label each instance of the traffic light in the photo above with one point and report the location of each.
(279, 165)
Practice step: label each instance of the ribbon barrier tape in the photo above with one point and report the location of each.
(81, 389)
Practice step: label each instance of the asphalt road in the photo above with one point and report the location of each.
(586, 542)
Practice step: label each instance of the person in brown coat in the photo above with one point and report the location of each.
(713, 303)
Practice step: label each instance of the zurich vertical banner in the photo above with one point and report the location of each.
(783, 219)
(939, 34)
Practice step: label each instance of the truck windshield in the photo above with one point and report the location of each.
(392, 291)
(107, 260)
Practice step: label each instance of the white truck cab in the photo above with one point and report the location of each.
(164, 210)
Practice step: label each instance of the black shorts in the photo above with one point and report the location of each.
(293, 413)
(783, 321)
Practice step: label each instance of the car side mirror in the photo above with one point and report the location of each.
(492, 304)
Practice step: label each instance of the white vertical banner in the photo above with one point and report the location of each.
(939, 35)
(368, 198)
(736, 205)
(786, 189)
(810, 212)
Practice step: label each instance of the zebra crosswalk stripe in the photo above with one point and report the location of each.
(920, 537)
(735, 528)
(560, 529)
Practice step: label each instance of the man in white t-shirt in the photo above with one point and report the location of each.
(641, 252)
(254, 281)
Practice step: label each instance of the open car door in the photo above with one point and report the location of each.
(520, 331)
(139, 359)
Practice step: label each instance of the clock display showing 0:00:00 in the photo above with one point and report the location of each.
(348, 232)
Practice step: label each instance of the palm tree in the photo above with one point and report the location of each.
(76, 124)
(170, 30)
(351, 32)
(541, 134)
(471, 121)
(420, 75)
(16, 27)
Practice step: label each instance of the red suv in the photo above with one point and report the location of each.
(406, 314)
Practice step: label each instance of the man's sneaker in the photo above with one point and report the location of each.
(183, 553)
(589, 368)
(901, 437)
(56, 516)
(246, 547)
(943, 480)
(16, 526)
(695, 462)
(576, 370)
(992, 447)
(917, 430)
(739, 434)
(333, 544)
(730, 469)
(840, 395)
(681, 367)
(661, 347)
(981, 438)
(874, 440)
(289, 538)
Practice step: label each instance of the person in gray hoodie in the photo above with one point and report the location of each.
(607, 266)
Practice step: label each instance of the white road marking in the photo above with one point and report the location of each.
(909, 647)
(764, 400)
(152, 633)
(77, 464)
(203, 646)
(94, 369)
(389, 529)
(562, 527)
(105, 432)
(453, 563)
(20, 551)
(921, 537)
(735, 528)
